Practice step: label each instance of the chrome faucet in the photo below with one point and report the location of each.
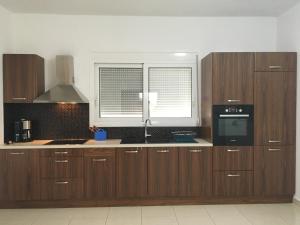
(146, 128)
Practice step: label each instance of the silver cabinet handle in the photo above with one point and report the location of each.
(19, 98)
(196, 151)
(163, 151)
(99, 160)
(61, 182)
(132, 152)
(233, 150)
(274, 141)
(274, 149)
(233, 100)
(233, 175)
(60, 153)
(275, 67)
(16, 153)
(61, 161)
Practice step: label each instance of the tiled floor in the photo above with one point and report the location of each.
(269, 214)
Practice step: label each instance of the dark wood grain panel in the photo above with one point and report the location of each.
(131, 172)
(233, 158)
(274, 170)
(62, 167)
(233, 78)
(162, 172)
(276, 61)
(233, 183)
(195, 172)
(100, 174)
(3, 178)
(275, 108)
(62, 152)
(23, 77)
(60, 189)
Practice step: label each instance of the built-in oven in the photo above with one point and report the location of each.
(233, 125)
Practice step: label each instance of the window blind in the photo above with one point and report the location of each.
(170, 92)
(121, 91)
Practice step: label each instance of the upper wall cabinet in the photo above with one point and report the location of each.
(276, 61)
(232, 78)
(23, 77)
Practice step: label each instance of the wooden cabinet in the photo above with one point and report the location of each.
(276, 61)
(131, 172)
(163, 172)
(3, 187)
(233, 184)
(274, 170)
(195, 172)
(23, 77)
(22, 178)
(100, 176)
(233, 158)
(232, 78)
(275, 108)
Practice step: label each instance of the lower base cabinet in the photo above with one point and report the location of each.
(163, 172)
(131, 172)
(233, 184)
(195, 172)
(62, 189)
(274, 170)
(99, 167)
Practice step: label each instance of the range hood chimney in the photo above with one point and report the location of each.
(65, 91)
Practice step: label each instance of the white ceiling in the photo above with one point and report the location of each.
(153, 7)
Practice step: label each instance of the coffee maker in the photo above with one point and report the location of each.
(22, 130)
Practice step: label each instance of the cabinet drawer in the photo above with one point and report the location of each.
(276, 61)
(58, 153)
(233, 183)
(99, 152)
(67, 167)
(233, 158)
(61, 189)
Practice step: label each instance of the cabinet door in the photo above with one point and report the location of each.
(163, 172)
(131, 172)
(274, 170)
(195, 171)
(100, 175)
(276, 61)
(3, 178)
(275, 108)
(233, 78)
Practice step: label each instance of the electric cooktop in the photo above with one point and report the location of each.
(67, 142)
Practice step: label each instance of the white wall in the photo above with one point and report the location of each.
(289, 40)
(5, 45)
(49, 35)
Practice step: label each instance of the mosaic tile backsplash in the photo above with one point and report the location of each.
(66, 121)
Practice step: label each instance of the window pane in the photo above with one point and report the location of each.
(121, 92)
(170, 92)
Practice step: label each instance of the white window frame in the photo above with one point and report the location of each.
(148, 60)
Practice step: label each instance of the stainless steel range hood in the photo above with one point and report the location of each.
(65, 91)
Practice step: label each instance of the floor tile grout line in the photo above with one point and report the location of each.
(109, 210)
(243, 215)
(141, 215)
(173, 207)
(212, 220)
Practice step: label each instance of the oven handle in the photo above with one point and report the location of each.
(234, 115)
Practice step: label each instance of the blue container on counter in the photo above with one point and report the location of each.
(100, 135)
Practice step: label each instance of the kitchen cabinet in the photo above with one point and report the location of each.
(274, 170)
(23, 77)
(233, 184)
(131, 172)
(275, 108)
(163, 172)
(99, 167)
(232, 158)
(3, 187)
(232, 78)
(276, 61)
(195, 172)
(22, 178)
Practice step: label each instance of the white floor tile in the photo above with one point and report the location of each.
(158, 211)
(159, 220)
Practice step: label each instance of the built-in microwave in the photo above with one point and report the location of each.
(233, 125)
